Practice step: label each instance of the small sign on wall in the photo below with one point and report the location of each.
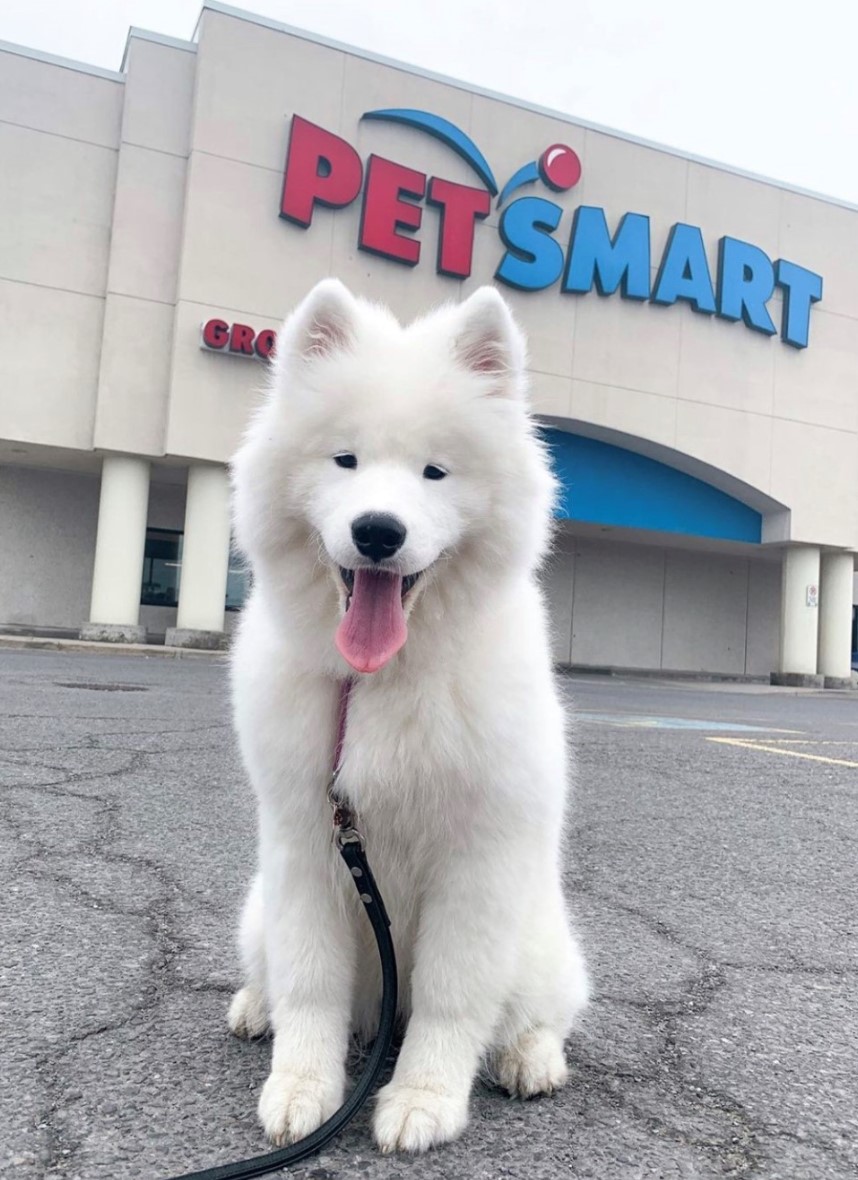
(813, 595)
(237, 339)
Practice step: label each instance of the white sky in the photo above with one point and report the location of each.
(770, 86)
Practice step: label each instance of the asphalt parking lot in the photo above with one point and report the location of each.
(713, 870)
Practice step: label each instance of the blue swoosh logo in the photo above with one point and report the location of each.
(447, 132)
(525, 175)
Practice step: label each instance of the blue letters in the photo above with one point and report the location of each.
(746, 280)
(621, 261)
(746, 275)
(801, 289)
(533, 259)
(684, 271)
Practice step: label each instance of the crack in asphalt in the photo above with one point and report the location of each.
(710, 1121)
(161, 925)
(740, 1148)
(737, 1145)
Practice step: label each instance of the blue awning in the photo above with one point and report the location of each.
(609, 485)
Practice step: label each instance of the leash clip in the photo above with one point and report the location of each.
(344, 820)
(348, 835)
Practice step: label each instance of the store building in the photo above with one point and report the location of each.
(693, 335)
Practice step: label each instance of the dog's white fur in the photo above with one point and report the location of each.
(455, 753)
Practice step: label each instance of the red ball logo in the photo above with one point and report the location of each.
(559, 167)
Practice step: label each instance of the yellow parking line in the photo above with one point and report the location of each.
(748, 745)
(811, 741)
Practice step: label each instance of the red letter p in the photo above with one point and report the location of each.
(321, 169)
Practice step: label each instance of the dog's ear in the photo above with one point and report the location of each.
(488, 342)
(324, 323)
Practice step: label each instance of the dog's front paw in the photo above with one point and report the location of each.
(293, 1105)
(248, 1013)
(533, 1065)
(415, 1118)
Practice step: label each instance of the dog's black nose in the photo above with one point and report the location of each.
(378, 535)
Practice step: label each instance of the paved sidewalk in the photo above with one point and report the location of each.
(156, 650)
(712, 869)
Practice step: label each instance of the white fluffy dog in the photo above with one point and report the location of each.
(395, 503)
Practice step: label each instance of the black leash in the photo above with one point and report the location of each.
(350, 845)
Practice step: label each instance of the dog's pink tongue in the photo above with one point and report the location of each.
(374, 628)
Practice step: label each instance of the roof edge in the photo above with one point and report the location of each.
(157, 39)
(65, 63)
(523, 104)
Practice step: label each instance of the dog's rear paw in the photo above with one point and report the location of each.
(248, 1013)
(293, 1105)
(411, 1118)
(533, 1065)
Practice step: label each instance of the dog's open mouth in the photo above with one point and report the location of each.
(373, 628)
(348, 577)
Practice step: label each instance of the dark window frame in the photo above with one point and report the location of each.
(149, 599)
(236, 561)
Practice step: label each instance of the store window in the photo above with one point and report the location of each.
(162, 569)
(162, 564)
(237, 581)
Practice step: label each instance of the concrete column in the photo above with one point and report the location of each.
(835, 619)
(799, 618)
(205, 560)
(123, 509)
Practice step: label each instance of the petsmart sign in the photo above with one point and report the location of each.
(537, 253)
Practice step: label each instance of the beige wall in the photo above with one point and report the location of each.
(59, 133)
(134, 378)
(47, 538)
(621, 605)
(783, 421)
(170, 183)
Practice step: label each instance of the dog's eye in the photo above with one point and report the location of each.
(433, 471)
(345, 459)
